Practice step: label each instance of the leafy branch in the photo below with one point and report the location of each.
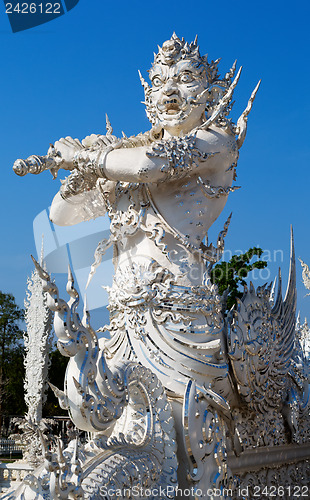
(229, 276)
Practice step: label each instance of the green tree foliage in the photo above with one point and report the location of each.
(229, 276)
(56, 375)
(12, 370)
(11, 357)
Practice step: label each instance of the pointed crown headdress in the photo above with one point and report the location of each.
(174, 50)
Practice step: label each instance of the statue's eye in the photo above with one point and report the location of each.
(186, 78)
(156, 82)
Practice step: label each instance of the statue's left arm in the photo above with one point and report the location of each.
(212, 151)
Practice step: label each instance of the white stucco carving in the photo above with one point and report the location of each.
(303, 332)
(305, 275)
(179, 385)
(37, 341)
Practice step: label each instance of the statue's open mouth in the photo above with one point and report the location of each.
(171, 106)
(175, 106)
(173, 103)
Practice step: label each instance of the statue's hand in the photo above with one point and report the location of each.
(67, 149)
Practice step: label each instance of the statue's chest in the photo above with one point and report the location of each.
(187, 204)
(186, 207)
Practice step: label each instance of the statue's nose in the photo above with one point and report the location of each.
(170, 87)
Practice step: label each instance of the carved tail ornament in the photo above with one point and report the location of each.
(224, 102)
(267, 360)
(242, 122)
(261, 342)
(124, 406)
(206, 417)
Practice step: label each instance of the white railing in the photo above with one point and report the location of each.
(13, 474)
(9, 447)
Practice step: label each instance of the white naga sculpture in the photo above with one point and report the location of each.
(182, 401)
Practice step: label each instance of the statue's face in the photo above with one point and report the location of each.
(177, 94)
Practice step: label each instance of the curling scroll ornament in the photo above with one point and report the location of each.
(170, 397)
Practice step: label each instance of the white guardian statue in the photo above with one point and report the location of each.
(181, 400)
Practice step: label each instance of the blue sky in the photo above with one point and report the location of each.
(62, 77)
